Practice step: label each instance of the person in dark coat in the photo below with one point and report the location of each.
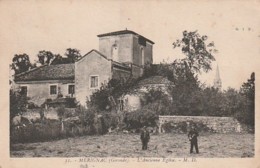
(192, 135)
(145, 137)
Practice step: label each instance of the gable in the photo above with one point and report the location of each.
(92, 53)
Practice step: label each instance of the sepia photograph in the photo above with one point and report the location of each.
(137, 81)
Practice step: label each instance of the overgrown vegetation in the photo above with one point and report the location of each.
(184, 96)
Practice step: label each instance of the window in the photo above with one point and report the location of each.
(142, 55)
(115, 52)
(53, 89)
(142, 41)
(93, 81)
(71, 89)
(24, 90)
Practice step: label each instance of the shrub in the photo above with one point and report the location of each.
(41, 131)
(61, 112)
(32, 105)
(86, 117)
(111, 120)
(140, 118)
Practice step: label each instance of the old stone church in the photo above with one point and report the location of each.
(121, 54)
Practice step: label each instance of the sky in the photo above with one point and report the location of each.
(234, 26)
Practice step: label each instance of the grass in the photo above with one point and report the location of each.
(129, 145)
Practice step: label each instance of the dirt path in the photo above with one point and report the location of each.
(129, 145)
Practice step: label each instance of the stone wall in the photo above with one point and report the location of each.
(214, 124)
(50, 113)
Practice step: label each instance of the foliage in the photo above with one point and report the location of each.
(86, 116)
(21, 63)
(140, 118)
(211, 101)
(231, 102)
(157, 101)
(199, 53)
(73, 54)
(163, 69)
(18, 103)
(37, 132)
(247, 112)
(104, 99)
(45, 57)
(58, 59)
(61, 112)
(185, 91)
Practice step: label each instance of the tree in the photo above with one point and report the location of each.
(232, 102)
(58, 59)
(21, 63)
(101, 99)
(44, 57)
(73, 54)
(18, 103)
(199, 53)
(247, 90)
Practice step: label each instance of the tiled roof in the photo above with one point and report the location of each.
(48, 72)
(123, 32)
(154, 80)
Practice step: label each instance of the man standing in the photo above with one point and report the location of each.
(145, 137)
(192, 135)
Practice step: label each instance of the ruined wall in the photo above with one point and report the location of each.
(214, 124)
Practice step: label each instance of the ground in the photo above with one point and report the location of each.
(129, 145)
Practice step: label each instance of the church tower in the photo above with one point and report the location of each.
(217, 80)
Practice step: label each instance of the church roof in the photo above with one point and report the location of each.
(48, 72)
(124, 32)
(217, 80)
(217, 77)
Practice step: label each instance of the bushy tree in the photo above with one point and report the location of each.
(21, 63)
(104, 99)
(141, 117)
(73, 54)
(163, 69)
(231, 102)
(157, 100)
(58, 59)
(199, 53)
(44, 57)
(18, 103)
(247, 91)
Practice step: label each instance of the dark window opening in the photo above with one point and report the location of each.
(24, 90)
(53, 89)
(142, 41)
(71, 89)
(94, 81)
